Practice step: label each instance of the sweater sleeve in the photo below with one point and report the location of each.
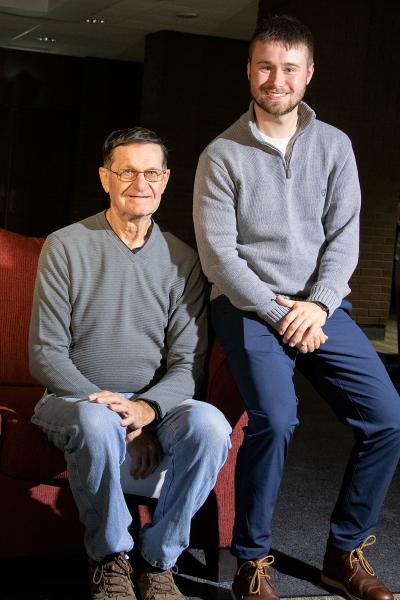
(341, 224)
(214, 214)
(49, 336)
(186, 341)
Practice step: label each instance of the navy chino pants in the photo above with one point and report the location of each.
(348, 374)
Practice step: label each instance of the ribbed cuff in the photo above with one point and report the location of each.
(275, 314)
(320, 293)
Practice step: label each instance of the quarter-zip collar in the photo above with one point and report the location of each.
(305, 117)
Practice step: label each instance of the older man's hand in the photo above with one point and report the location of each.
(145, 451)
(135, 413)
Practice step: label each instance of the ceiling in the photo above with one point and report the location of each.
(60, 27)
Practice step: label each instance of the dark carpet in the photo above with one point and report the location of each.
(313, 473)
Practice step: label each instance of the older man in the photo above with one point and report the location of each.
(118, 337)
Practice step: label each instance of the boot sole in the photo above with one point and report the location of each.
(333, 583)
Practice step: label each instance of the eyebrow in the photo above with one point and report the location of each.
(130, 168)
(268, 62)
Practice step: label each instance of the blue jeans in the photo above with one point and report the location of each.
(195, 437)
(347, 372)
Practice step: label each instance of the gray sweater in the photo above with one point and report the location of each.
(268, 224)
(106, 318)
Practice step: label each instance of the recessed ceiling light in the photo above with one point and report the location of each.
(94, 20)
(187, 15)
(48, 39)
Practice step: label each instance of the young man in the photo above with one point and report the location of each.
(118, 337)
(276, 212)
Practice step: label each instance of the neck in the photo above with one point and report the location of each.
(133, 232)
(276, 126)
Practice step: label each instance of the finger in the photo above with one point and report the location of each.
(99, 394)
(287, 321)
(146, 466)
(299, 325)
(284, 301)
(105, 399)
(136, 464)
(129, 421)
(298, 334)
(303, 348)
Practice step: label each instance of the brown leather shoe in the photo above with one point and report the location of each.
(253, 581)
(351, 573)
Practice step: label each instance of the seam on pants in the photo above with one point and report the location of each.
(361, 419)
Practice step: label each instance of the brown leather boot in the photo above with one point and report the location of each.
(351, 573)
(253, 580)
(111, 578)
(155, 584)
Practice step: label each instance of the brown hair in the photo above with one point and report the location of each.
(134, 135)
(283, 29)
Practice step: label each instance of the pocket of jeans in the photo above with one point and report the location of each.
(41, 402)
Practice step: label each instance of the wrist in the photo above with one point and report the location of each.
(321, 305)
(149, 409)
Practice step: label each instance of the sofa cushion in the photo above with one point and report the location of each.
(18, 262)
(37, 460)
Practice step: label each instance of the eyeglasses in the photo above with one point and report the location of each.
(130, 175)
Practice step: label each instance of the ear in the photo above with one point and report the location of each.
(248, 69)
(104, 178)
(310, 72)
(165, 180)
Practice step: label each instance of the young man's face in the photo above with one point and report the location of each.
(278, 76)
(140, 198)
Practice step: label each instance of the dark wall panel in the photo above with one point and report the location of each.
(55, 112)
(193, 88)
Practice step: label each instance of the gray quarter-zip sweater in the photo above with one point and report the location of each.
(106, 318)
(269, 224)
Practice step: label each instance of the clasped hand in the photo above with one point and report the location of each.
(301, 328)
(142, 445)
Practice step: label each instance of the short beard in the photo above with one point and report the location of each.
(278, 112)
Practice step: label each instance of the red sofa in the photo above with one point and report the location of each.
(37, 512)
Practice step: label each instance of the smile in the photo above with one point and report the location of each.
(277, 94)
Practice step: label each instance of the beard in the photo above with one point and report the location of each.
(277, 108)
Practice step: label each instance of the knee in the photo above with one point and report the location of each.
(206, 427)
(96, 425)
(384, 421)
(277, 426)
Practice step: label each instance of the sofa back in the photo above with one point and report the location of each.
(18, 262)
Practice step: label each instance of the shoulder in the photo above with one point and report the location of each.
(76, 234)
(176, 250)
(236, 135)
(328, 135)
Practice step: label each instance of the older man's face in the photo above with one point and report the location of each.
(139, 198)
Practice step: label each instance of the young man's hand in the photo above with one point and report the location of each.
(145, 451)
(301, 328)
(135, 413)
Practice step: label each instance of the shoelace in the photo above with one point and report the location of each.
(259, 565)
(162, 581)
(105, 572)
(357, 554)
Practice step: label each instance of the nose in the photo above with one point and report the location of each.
(140, 182)
(276, 77)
